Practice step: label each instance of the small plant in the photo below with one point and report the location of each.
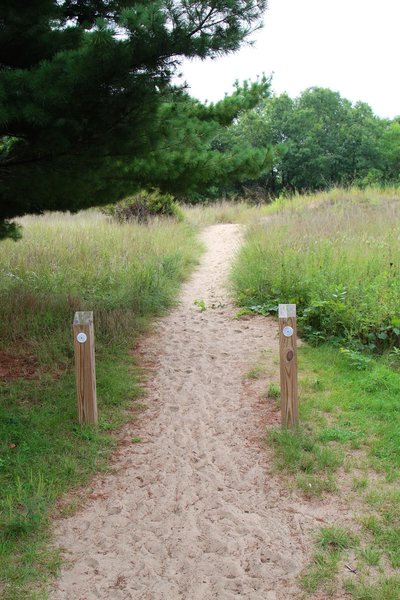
(323, 569)
(136, 440)
(359, 361)
(255, 372)
(200, 304)
(335, 539)
(359, 483)
(371, 556)
(317, 385)
(394, 358)
(243, 312)
(274, 391)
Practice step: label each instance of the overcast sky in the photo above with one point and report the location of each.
(350, 46)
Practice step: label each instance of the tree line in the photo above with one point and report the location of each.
(316, 141)
(89, 112)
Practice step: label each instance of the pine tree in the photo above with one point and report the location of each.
(84, 86)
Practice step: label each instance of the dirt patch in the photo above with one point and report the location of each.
(17, 367)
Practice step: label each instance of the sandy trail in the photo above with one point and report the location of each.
(191, 512)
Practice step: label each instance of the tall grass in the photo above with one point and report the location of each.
(225, 211)
(86, 262)
(125, 274)
(336, 257)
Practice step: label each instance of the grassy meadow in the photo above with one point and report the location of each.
(125, 274)
(337, 256)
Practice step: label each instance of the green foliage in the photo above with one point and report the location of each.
(143, 206)
(331, 542)
(318, 140)
(274, 391)
(84, 87)
(188, 159)
(357, 359)
(200, 304)
(334, 538)
(338, 260)
(10, 230)
(386, 588)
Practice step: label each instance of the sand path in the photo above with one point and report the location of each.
(191, 512)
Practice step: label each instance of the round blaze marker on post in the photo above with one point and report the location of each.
(288, 365)
(85, 367)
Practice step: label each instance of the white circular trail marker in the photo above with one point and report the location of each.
(288, 331)
(81, 337)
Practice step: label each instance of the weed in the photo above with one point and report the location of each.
(359, 483)
(322, 570)
(370, 555)
(335, 539)
(274, 391)
(394, 358)
(255, 372)
(356, 359)
(200, 304)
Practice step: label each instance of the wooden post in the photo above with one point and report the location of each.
(85, 367)
(288, 365)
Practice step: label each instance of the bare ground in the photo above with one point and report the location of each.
(193, 511)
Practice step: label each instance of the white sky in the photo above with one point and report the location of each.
(349, 46)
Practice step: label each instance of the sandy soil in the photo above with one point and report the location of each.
(193, 512)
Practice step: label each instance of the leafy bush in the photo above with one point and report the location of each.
(143, 206)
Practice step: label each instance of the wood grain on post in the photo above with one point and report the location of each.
(85, 367)
(288, 365)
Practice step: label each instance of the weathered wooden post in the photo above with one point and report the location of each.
(85, 367)
(288, 365)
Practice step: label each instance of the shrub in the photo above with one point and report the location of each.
(143, 206)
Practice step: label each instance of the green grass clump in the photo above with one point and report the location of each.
(338, 260)
(334, 539)
(386, 588)
(331, 542)
(298, 451)
(274, 391)
(321, 572)
(125, 274)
